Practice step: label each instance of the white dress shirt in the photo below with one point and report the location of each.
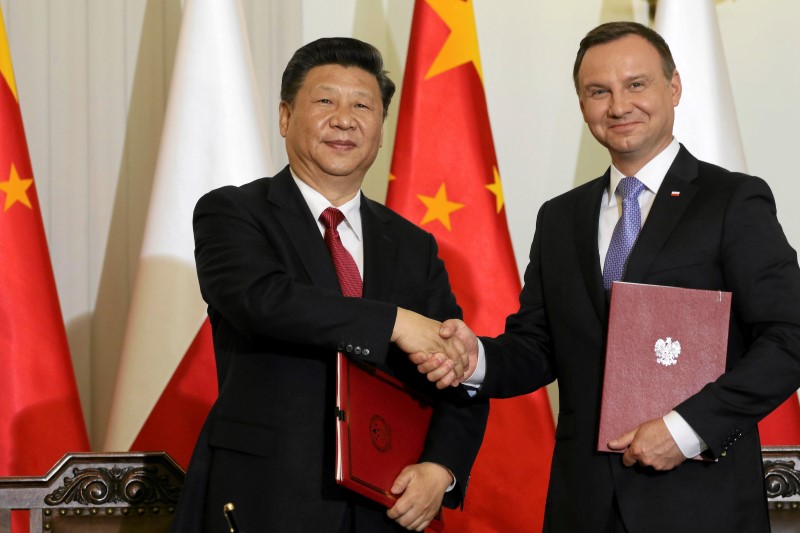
(349, 231)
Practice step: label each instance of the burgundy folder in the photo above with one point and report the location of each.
(381, 429)
(664, 345)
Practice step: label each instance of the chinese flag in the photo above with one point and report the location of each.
(40, 411)
(445, 179)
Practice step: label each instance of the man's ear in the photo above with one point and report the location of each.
(284, 113)
(677, 88)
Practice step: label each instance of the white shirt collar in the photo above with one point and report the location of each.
(652, 174)
(318, 203)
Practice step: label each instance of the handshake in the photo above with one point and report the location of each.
(447, 352)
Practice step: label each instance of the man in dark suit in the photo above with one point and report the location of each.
(702, 227)
(278, 316)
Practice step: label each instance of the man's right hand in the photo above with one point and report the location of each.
(435, 365)
(416, 334)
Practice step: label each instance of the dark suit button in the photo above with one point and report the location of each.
(340, 347)
(357, 350)
(365, 352)
(349, 348)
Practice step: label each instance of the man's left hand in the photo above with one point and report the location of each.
(650, 444)
(420, 488)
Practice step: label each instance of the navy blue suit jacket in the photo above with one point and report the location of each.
(278, 318)
(719, 233)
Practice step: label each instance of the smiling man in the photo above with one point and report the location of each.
(627, 95)
(699, 226)
(294, 268)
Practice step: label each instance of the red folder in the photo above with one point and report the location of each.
(664, 345)
(381, 429)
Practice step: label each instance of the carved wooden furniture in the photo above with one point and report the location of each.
(137, 492)
(782, 480)
(97, 493)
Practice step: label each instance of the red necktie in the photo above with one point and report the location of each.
(346, 269)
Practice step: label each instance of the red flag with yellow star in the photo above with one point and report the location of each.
(40, 413)
(445, 179)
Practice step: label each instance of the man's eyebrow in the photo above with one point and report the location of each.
(334, 89)
(636, 77)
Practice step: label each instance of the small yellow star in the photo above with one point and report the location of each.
(439, 207)
(497, 189)
(15, 189)
(392, 177)
(462, 45)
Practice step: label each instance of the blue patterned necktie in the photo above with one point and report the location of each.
(625, 232)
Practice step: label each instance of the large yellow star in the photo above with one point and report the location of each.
(462, 44)
(439, 207)
(15, 189)
(497, 189)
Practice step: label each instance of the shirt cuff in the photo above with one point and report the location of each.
(453, 484)
(689, 442)
(476, 379)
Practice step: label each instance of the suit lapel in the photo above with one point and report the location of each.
(293, 214)
(672, 199)
(587, 219)
(380, 251)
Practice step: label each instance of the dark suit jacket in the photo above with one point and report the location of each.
(720, 233)
(278, 318)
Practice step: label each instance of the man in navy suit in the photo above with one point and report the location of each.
(701, 227)
(278, 316)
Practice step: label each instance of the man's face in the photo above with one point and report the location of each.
(334, 128)
(626, 101)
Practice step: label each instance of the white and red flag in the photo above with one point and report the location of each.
(213, 136)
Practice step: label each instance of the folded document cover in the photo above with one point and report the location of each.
(381, 429)
(664, 345)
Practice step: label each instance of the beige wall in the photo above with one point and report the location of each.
(93, 77)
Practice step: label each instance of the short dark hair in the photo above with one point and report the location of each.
(344, 51)
(611, 31)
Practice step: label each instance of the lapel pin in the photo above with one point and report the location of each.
(675, 194)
